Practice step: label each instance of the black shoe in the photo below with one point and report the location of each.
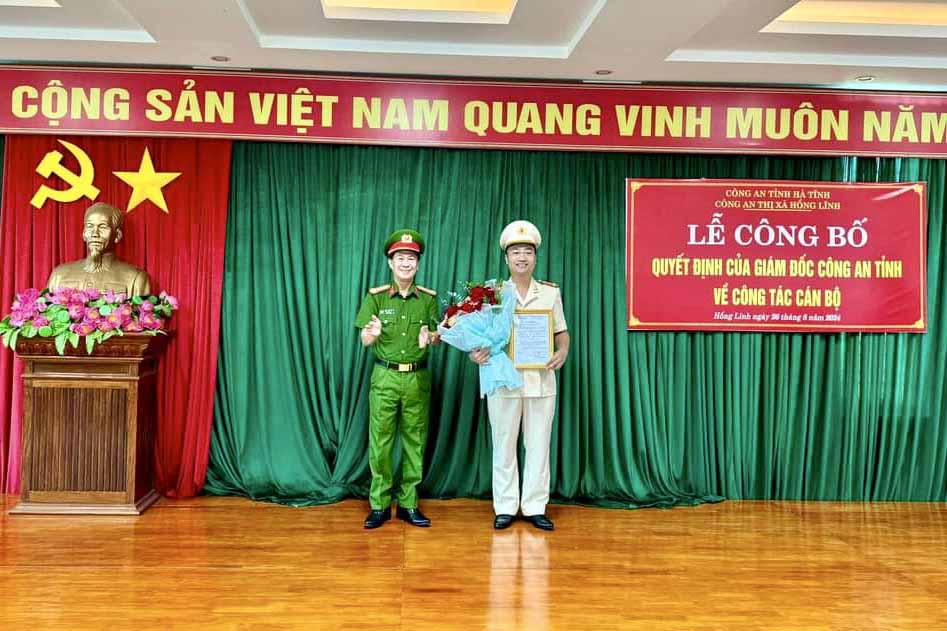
(377, 517)
(540, 521)
(502, 521)
(413, 516)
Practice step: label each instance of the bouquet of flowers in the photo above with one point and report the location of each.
(473, 299)
(67, 314)
(482, 317)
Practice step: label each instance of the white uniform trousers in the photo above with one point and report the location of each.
(506, 415)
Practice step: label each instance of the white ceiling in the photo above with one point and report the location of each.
(690, 41)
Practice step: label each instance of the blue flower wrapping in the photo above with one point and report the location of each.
(488, 328)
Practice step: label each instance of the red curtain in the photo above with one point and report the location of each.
(182, 250)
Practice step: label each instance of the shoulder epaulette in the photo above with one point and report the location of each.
(377, 290)
(546, 282)
(429, 292)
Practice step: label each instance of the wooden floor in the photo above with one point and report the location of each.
(227, 563)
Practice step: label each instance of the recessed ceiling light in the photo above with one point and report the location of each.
(603, 72)
(865, 78)
(876, 12)
(458, 11)
(220, 58)
(47, 4)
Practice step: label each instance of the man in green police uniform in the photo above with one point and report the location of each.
(397, 321)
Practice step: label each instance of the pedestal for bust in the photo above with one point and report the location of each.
(88, 426)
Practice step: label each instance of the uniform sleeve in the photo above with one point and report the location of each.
(558, 317)
(366, 311)
(434, 316)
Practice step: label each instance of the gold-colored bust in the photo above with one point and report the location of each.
(100, 269)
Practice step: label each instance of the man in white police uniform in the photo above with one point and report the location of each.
(532, 405)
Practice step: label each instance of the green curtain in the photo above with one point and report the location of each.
(643, 419)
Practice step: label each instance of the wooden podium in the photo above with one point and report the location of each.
(89, 426)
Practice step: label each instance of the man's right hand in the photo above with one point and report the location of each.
(481, 356)
(372, 330)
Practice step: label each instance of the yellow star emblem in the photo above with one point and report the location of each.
(146, 183)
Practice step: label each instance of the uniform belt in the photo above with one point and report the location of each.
(402, 367)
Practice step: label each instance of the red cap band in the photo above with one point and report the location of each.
(405, 245)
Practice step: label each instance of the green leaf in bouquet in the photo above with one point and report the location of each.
(137, 300)
(109, 335)
(63, 316)
(13, 338)
(5, 337)
(104, 310)
(91, 339)
(60, 344)
(153, 300)
(74, 339)
(59, 327)
(28, 330)
(45, 331)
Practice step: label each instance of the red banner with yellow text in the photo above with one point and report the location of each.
(269, 106)
(760, 255)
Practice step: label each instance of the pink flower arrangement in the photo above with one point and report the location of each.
(68, 314)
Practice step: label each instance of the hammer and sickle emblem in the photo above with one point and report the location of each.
(80, 184)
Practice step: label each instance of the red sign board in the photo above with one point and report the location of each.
(269, 106)
(758, 255)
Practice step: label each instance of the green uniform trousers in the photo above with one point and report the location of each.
(391, 392)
